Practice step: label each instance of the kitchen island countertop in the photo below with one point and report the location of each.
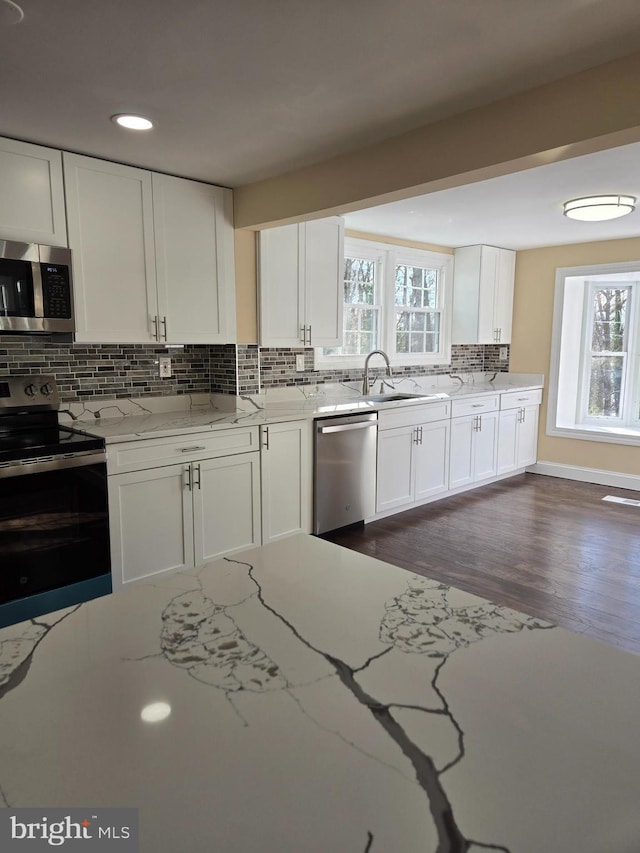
(319, 700)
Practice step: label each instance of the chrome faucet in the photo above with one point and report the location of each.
(366, 384)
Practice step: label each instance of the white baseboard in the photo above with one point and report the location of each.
(587, 475)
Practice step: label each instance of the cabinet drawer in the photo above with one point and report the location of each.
(410, 415)
(150, 453)
(474, 405)
(518, 399)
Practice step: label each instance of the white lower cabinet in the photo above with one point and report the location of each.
(519, 417)
(151, 522)
(226, 504)
(176, 516)
(474, 440)
(286, 479)
(413, 455)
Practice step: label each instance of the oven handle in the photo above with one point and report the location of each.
(54, 463)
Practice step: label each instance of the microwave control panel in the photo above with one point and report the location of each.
(56, 291)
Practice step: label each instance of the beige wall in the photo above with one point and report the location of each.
(246, 287)
(531, 347)
(395, 241)
(590, 111)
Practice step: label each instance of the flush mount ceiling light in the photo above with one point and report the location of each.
(599, 207)
(132, 122)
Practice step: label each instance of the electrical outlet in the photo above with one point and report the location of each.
(300, 363)
(164, 367)
(504, 353)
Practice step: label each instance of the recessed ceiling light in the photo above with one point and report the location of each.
(155, 712)
(132, 122)
(599, 207)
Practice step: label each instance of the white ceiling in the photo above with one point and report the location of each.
(517, 211)
(246, 89)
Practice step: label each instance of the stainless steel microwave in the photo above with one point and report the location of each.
(35, 288)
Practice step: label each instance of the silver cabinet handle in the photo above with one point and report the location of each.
(197, 482)
(477, 405)
(187, 482)
(416, 440)
(303, 334)
(265, 437)
(191, 449)
(155, 327)
(164, 323)
(309, 335)
(420, 429)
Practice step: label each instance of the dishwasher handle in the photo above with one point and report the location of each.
(346, 427)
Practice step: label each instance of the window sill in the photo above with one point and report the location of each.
(608, 435)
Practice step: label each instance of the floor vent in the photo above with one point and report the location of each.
(628, 501)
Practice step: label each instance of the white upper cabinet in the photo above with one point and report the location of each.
(110, 215)
(152, 255)
(193, 225)
(31, 194)
(483, 280)
(300, 284)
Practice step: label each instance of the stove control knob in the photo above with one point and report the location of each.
(46, 389)
(31, 390)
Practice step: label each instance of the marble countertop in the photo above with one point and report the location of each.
(321, 701)
(130, 420)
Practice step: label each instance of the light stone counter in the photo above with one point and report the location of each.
(323, 702)
(156, 417)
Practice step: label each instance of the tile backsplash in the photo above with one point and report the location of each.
(115, 371)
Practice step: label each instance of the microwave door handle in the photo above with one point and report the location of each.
(38, 293)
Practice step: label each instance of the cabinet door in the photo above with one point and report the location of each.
(194, 260)
(151, 522)
(461, 456)
(226, 505)
(286, 480)
(487, 295)
(323, 279)
(485, 450)
(32, 197)
(528, 436)
(432, 460)
(395, 486)
(508, 441)
(503, 296)
(110, 217)
(280, 287)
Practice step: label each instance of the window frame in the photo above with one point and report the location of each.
(567, 410)
(388, 256)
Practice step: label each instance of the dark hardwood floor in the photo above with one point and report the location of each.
(542, 545)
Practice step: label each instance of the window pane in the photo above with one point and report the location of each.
(417, 331)
(360, 330)
(609, 320)
(416, 287)
(359, 280)
(605, 385)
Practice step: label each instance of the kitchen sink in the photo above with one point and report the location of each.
(394, 398)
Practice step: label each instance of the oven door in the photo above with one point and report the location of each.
(54, 535)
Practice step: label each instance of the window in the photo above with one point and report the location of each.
(595, 381)
(397, 300)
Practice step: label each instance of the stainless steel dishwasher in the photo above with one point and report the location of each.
(344, 488)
